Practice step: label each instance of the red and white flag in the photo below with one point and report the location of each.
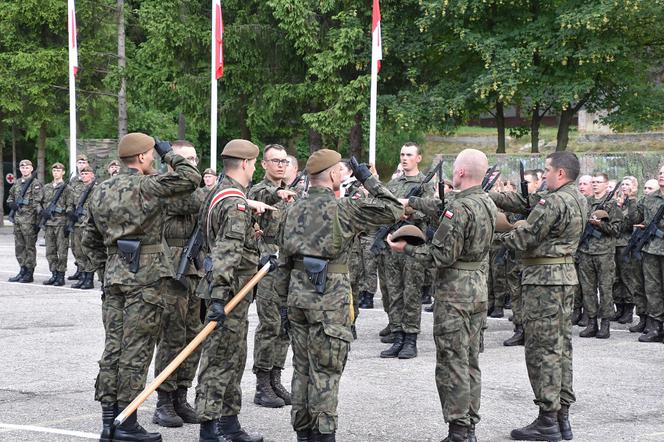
(218, 29)
(71, 27)
(376, 46)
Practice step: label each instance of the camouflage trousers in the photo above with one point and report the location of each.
(321, 342)
(181, 322)
(56, 248)
(628, 283)
(578, 295)
(223, 359)
(514, 289)
(498, 288)
(75, 239)
(596, 272)
(404, 280)
(457, 331)
(381, 268)
(132, 321)
(270, 341)
(653, 276)
(548, 342)
(25, 241)
(369, 273)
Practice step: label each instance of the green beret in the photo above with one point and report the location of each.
(321, 160)
(58, 166)
(241, 149)
(134, 144)
(411, 234)
(209, 171)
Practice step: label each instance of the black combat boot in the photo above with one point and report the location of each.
(165, 415)
(328, 437)
(76, 275)
(591, 330)
(545, 427)
(27, 276)
(471, 433)
(604, 329)
(19, 275)
(265, 395)
(229, 427)
(426, 294)
(209, 432)
(456, 433)
(429, 308)
(131, 431)
(60, 281)
(277, 386)
(620, 309)
(507, 305)
(108, 414)
(384, 332)
(576, 316)
(304, 436)
(563, 422)
(640, 326)
(655, 333)
(583, 322)
(182, 407)
(366, 300)
(517, 338)
(389, 339)
(52, 279)
(409, 349)
(497, 312)
(81, 280)
(88, 281)
(394, 350)
(628, 314)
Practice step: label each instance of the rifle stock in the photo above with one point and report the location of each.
(641, 237)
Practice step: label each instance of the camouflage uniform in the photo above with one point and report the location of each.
(459, 251)
(597, 262)
(322, 226)
(548, 243)
(131, 206)
(54, 232)
(628, 283)
(76, 189)
(232, 249)
(498, 274)
(26, 220)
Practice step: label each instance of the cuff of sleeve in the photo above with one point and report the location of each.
(410, 250)
(220, 293)
(372, 185)
(170, 157)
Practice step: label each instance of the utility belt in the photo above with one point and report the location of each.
(467, 265)
(177, 242)
(317, 270)
(548, 261)
(130, 251)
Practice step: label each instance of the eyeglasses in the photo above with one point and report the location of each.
(277, 162)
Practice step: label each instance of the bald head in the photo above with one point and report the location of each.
(651, 186)
(186, 150)
(585, 185)
(469, 168)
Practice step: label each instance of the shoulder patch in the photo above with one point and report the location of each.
(448, 214)
(241, 207)
(542, 202)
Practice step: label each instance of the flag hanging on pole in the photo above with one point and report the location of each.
(73, 48)
(73, 70)
(376, 57)
(218, 40)
(376, 47)
(217, 71)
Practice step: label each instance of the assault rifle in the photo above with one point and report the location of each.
(488, 182)
(590, 230)
(48, 212)
(21, 199)
(640, 237)
(524, 185)
(78, 213)
(379, 243)
(297, 180)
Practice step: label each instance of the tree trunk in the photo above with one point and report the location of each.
(182, 127)
(562, 137)
(500, 125)
(315, 141)
(41, 152)
(122, 64)
(355, 138)
(535, 121)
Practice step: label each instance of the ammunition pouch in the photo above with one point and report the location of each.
(316, 270)
(130, 253)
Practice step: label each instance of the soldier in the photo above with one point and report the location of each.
(291, 170)
(25, 199)
(596, 259)
(548, 239)
(113, 168)
(180, 321)
(401, 275)
(459, 251)
(314, 243)
(57, 244)
(653, 263)
(209, 178)
(271, 340)
(78, 203)
(124, 235)
(585, 185)
(650, 187)
(76, 188)
(232, 255)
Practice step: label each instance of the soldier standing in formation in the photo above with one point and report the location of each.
(124, 235)
(314, 244)
(76, 188)
(459, 251)
(270, 339)
(113, 168)
(25, 199)
(78, 203)
(57, 244)
(209, 178)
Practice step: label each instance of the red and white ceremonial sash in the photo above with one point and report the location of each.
(219, 197)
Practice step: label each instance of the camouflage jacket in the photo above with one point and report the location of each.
(463, 237)
(181, 215)
(59, 215)
(628, 209)
(76, 189)
(269, 222)
(554, 228)
(400, 187)
(27, 212)
(132, 206)
(322, 226)
(230, 242)
(645, 212)
(609, 230)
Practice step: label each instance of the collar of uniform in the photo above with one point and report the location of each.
(317, 190)
(279, 185)
(417, 177)
(130, 171)
(235, 184)
(568, 184)
(469, 191)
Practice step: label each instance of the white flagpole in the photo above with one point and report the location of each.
(72, 86)
(213, 94)
(372, 111)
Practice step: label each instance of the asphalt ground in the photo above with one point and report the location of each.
(51, 338)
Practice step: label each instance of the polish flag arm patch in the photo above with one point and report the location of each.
(448, 214)
(541, 202)
(241, 207)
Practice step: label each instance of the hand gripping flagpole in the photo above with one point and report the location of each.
(179, 359)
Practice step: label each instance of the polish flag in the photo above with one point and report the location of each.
(71, 27)
(376, 47)
(218, 24)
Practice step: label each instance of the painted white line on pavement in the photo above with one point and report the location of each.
(12, 427)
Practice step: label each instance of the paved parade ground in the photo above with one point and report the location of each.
(51, 338)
